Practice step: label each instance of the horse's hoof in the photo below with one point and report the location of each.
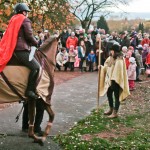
(31, 136)
(40, 141)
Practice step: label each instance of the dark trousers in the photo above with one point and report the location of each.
(114, 88)
(71, 64)
(137, 72)
(90, 66)
(81, 63)
(66, 65)
(33, 65)
(38, 116)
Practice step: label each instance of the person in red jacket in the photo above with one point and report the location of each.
(148, 62)
(146, 40)
(71, 40)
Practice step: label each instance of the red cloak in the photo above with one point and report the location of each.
(9, 40)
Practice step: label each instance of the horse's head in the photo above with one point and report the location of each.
(49, 48)
(49, 45)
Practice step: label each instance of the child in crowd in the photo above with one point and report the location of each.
(132, 73)
(77, 60)
(91, 60)
(139, 62)
(131, 49)
(127, 56)
(72, 55)
(144, 54)
(124, 50)
(148, 63)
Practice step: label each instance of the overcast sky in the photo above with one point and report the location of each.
(138, 6)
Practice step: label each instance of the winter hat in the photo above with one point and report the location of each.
(72, 34)
(116, 47)
(140, 47)
(124, 49)
(132, 60)
(131, 48)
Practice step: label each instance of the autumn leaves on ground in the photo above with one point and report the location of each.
(129, 131)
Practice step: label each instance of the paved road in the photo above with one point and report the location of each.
(71, 101)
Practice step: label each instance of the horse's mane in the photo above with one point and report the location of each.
(46, 44)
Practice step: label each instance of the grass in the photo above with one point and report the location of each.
(123, 133)
(130, 131)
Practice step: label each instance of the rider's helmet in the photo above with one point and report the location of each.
(20, 7)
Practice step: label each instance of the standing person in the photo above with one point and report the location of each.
(114, 80)
(91, 60)
(81, 55)
(71, 40)
(134, 40)
(146, 40)
(124, 50)
(88, 46)
(127, 57)
(144, 54)
(64, 37)
(124, 41)
(131, 71)
(72, 55)
(148, 62)
(138, 57)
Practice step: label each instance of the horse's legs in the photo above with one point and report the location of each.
(49, 124)
(31, 113)
(42, 139)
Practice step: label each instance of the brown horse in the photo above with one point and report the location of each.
(18, 77)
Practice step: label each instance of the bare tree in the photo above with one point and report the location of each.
(84, 10)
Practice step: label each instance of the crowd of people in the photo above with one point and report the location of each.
(78, 48)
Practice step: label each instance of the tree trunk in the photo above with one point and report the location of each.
(84, 24)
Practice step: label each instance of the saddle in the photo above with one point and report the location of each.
(14, 61)
(17, 75)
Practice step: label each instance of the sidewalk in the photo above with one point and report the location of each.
(71, 101)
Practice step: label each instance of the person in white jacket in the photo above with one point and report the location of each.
(62, 59)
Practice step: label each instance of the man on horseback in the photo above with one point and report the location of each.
(25, 40)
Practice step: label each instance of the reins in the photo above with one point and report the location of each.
(47, 58)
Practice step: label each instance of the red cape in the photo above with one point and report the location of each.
(9, 40)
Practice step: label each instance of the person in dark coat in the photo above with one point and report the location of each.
(124, 40)
(22, 50)
(64, 37)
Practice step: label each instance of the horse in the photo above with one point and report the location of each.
(17, 76)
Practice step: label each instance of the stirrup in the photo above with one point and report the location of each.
(31, 94)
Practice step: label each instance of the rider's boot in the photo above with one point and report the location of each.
(31, 87)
